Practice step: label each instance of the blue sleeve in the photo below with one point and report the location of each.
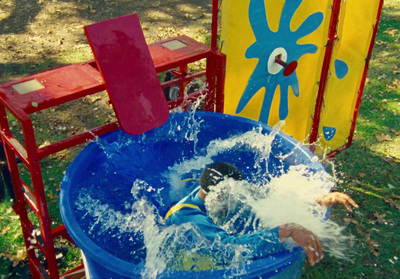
(260, 243)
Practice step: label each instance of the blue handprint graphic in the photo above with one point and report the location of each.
(272, 46)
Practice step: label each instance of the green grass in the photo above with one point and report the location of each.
(369, 171)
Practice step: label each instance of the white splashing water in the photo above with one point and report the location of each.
(272, 201)
(254, 140)
(289, 198)
(180, 247)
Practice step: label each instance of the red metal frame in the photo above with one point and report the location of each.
(332, 36)
(362, 84)
(69, 83)
(214, 24)
(76, 81)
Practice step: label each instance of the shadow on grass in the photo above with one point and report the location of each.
(23, 12)
(12, 71)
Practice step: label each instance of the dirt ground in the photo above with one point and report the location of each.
(37, 32)
(37, 35)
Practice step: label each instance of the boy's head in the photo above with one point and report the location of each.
(217, 172)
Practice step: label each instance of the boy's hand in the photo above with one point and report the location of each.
(337, 197)
(306, 239)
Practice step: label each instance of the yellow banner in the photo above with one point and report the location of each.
(255, 33)
(356, 25)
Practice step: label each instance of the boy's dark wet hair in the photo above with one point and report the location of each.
(217, 172)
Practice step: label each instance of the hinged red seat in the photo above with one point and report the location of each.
(124, 61)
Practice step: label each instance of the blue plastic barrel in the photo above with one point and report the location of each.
(106, 168)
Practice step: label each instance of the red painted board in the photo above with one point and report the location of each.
(124, 60)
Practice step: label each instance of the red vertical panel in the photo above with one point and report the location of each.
(124, 60)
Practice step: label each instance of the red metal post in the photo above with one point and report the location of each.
(214, 25)
(220, 89)
(40, 197)
(18, 204)
(210, 85)
(325, 71)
